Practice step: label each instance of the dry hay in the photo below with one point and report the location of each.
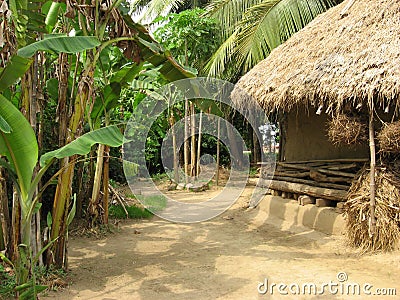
(348, 130)
(387, 211)
(389, 138)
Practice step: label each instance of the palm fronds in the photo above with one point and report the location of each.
(256, 27)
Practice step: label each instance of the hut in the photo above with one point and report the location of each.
(343, 68)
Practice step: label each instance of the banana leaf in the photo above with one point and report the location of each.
(110, 135)
(57, 43)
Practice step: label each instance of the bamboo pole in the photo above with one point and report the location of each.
(372, 227)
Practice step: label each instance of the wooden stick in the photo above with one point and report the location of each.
(339, 160)
(118, 198)
(317, 176)
(372, 227)
(312, 183)
(337, 173)
(317, 192)
(292, 174)
(342, 167)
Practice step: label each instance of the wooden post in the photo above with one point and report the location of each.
(218, 150)
(372, 227)
(186, 142)
(199, 145)
(193, 141)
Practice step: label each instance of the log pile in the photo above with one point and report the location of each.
(324, 179)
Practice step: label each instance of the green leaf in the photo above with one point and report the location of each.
(110, 136)
(49, 220)
(4, 126)
(20, 145)
(71, 214)
(38, 205)
(127, 74)
(109, 100)
(31, 291)
(67, 44)
(52, 15)
(52, 88)
(15, 68)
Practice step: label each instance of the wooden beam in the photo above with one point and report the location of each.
(312, 183)
(337, 173)
(330, 194)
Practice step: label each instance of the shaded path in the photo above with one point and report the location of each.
(224, 258)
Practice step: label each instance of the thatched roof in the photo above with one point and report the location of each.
(333, 60)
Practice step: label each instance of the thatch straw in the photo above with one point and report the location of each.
(389, 138)
(347, 130)
(387, 211)
(334, 60)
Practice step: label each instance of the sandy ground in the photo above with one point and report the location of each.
(227, 257)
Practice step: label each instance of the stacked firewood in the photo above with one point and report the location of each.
(328, 179)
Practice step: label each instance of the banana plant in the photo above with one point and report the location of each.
(19, 155)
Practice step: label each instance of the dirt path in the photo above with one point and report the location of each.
(224, 258)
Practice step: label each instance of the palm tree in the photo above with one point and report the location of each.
(250, 28)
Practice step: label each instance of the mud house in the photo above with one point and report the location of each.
(334, 85)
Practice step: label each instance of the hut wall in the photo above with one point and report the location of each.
(306, 139)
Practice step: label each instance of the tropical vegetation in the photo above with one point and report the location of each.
(73, 73)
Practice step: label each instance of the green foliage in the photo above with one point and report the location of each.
(189, 36)
(153, 203)
(8, 283)
(15, 68)
(252, 28)
(19, 146)
(134, 212)
(110, 136)
(59, 43)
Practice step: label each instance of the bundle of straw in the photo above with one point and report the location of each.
(389, 138)
(348, 130)
(387, 211)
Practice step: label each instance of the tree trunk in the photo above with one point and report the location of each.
(174, 148)
(106, 176)
(15, 227)
(63, 191)
(199, 145)
(94, 200)
(218, 150)
(186, 142)
(256, 147)
(193, 141)
(237, 152)
(4, 214)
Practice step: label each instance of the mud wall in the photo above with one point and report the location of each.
(306, 139)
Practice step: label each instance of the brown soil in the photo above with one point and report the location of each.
(224, 258)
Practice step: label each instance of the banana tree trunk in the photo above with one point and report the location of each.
(94, 200)
(4, 214)
(63, 193)
(106, 177)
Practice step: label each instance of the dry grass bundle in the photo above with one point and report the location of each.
(387, 211)
(343, 129)
(389, 138)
